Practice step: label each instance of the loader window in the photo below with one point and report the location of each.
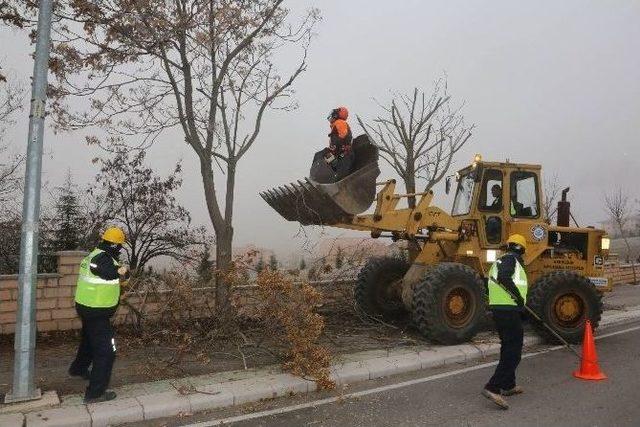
(524, 195)
(491, 191)
(464, 195)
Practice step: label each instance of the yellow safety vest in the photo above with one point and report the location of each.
(497, 295)
(93, 291)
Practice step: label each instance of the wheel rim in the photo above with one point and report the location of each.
(458, 307)
(568, 310)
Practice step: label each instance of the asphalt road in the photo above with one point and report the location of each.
(552, 397)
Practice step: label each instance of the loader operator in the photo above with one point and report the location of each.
(507, 295)
(339, 155)
(97, 297)
(496, 192)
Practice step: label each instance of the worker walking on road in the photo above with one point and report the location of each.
(97, 297)
(507, 297)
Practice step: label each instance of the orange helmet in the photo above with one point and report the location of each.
(338, 113)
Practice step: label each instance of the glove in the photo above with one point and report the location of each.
(123, 272)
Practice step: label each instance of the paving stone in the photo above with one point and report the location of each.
(71, 400)
(249, 390)
(350, 372)
(11, 420)
(470, 351)
(402, 351)
(49, 399)
(613, 319)
(131, 391)
(452, 354)
(531, 340)
(287, 384)
(210, 397)
(488, 349)
(72, 416)
(167, 404)
(115, 412)
(363, 355)
(158, 387)
(380, 367)
(430, 359)
(406, 362)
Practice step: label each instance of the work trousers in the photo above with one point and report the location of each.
(97, 349)
(509, 326)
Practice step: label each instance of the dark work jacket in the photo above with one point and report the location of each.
(102, 266)
(506, 268)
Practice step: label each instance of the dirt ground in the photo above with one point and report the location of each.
(345, 332)
(138, 361)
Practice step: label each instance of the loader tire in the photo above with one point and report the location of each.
(373, 293)
(449, 303)
(564, 300)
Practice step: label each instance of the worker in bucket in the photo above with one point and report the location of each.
(339, 155)
(507, 297)
(97, 297)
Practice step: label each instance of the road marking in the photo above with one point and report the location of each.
(320, 402)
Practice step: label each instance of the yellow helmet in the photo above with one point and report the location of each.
(518, 239)
(114, 235)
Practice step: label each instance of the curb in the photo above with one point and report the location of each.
(374, 364)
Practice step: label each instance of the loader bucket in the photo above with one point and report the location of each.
(327, 198)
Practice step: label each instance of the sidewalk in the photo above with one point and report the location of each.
(159, 399)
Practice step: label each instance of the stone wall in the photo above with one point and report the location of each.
(55, 296)
(622, 274)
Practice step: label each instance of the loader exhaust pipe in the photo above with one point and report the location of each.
(564, 210)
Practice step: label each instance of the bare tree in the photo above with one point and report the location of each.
(550, 199)
(10, 178)
(419, 134)
(130, 195)
(205, 67)
(11, 14)
(617, 206)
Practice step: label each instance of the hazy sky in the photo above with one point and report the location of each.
(555, 83)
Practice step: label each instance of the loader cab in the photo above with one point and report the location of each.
(493, 196)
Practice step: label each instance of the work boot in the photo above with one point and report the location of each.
(515, 390)
(85, 375)
(107, 395)
(495, 398)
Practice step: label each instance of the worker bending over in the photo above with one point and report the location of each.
(97, 298)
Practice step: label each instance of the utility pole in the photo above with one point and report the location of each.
(25, 337)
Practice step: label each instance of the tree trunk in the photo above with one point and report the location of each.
(133, 261)
(224, 244)
(630, 260)
(223, 228)
(410, 186)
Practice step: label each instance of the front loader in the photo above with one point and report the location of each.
(443, 283)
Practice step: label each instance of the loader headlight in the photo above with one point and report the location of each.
(605, 243)
(492, 255)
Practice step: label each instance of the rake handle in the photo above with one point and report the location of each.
(542, 322)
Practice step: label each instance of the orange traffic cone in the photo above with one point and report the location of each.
(589, 369)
